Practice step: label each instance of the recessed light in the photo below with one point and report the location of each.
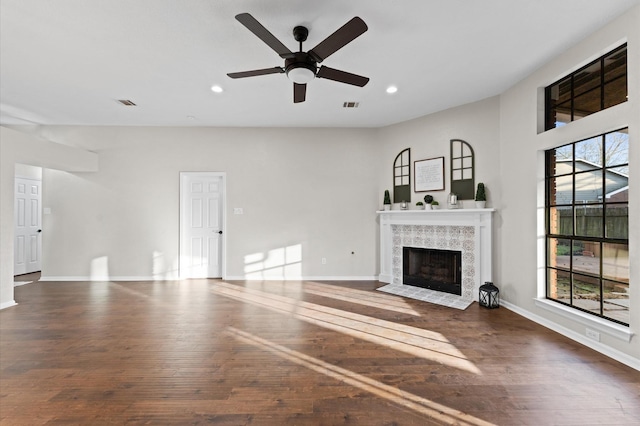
(216, 89)
(392, 89)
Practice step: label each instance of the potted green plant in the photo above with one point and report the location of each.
(387, 200)
(428, 199)
(481, 196)
(435, 205)
(420, 205)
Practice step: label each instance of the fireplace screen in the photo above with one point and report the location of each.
(439, 270)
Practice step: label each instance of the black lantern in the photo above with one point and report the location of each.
(489, 296)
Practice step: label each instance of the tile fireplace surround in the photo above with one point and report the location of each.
(465, 230)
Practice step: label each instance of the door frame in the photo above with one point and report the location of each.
(223, 220)
(15, 225)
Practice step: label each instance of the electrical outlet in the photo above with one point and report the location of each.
(324, 260)
(592, 334)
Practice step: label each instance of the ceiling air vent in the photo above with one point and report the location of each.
(126, 102)
(350, 104)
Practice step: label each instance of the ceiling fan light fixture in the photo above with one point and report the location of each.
(300, 74)
(392, 89)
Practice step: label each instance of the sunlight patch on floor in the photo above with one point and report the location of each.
(366, 298)
(417, 342)
(433, 410)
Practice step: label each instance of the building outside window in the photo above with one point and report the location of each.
(587, 225)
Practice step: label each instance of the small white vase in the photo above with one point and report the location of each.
(387, 207)
(480, 204)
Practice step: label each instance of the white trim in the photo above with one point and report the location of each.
(6, 305)
(617, 191)
(610, 328)
(304, 278)
(104, 279)
(229, 278)
(596, 346)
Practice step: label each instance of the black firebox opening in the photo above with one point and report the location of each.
(439, 270)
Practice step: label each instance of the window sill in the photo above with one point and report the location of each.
(599, 324)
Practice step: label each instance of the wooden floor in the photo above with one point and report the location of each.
(291, 353)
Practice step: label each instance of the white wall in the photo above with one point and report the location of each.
(17, 147)
(28, 172)
(522, 147)
(307, 190)
(428, 137)
(313, 190)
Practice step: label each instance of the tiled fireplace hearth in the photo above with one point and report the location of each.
(465, 230)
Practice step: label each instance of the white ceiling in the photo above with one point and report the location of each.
(69, 61)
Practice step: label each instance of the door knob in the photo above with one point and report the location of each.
(39, 230)
(220, 232)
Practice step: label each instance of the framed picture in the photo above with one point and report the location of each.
(428, 175)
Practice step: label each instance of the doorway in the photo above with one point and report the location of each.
(28, 226)
(202, 239)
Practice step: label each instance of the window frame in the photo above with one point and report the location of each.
(602, 86)
(574, 236)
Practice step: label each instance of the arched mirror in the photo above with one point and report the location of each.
(402, 177)
(462, 173)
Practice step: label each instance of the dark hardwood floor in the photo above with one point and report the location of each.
(291, 353)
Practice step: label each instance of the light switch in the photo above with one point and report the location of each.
(238, 210)
(46, 210)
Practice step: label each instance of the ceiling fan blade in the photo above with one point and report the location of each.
(343, 36)
(342, 76)
(263, 34)
(299, 92)
(253, 73)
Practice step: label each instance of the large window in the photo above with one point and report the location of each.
(587, 187)
(594, 87)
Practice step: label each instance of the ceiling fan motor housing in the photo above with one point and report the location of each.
(301, 68)
(300, 33)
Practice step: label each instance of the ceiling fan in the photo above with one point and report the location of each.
(302, 67)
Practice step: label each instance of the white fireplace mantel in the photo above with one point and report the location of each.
(481, 220)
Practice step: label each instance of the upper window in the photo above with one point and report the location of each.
(587, 211)
(594, 87)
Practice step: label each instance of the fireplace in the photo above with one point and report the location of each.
(467, 231)
(433, 269)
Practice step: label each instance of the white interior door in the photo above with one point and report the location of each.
(28, 220)
(201, 224)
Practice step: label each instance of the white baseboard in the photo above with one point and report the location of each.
(596, 346)
(7, 304)
(101, 279)
(307, 278)
(230, 278)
